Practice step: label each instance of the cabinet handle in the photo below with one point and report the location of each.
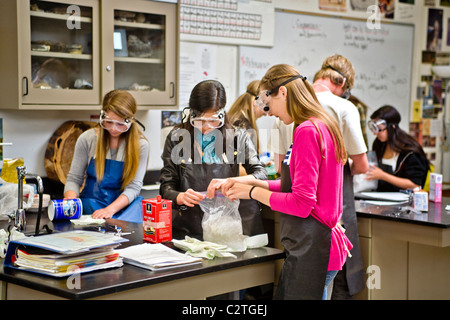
(172, 87)
(25, 86)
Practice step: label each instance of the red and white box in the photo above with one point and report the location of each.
(435, 187)
(157, 220)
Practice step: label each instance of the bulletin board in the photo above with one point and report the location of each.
(382, 58)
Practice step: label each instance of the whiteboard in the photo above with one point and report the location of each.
(382, 58)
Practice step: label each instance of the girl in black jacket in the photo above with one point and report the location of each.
(199, 155)
(402, 163)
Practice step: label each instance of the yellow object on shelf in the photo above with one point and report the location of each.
(9, 172)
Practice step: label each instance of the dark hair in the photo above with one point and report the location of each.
(398, 139)
(207, 95)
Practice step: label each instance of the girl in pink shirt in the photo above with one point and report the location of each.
(309, 194)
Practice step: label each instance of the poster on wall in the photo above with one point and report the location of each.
(387, 8)
(333, 5)
(169, 119)
(227, 21)
(201, 61)
(362, 5)
(197, 63)
(434, 29)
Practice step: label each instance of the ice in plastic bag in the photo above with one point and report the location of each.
(222, 222)
(360, 183)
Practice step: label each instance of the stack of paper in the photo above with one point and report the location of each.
(65, 253)
(155, 256)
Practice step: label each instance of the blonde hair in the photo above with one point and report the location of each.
(336, 68)
(243, 107)
(123, 104)
(302, 104)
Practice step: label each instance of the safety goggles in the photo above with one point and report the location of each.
(109, 124)
(263, 98)
(347, 93)
(214, 121)
(374, 126)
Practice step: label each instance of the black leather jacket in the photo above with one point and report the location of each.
(410, 165)
(185, 174)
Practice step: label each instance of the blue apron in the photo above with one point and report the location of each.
(99, 195)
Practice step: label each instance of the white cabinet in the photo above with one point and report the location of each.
(67, 54)
(139, 49)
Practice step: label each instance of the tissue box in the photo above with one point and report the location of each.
(435, 187)
(157, 220)
(420, 201)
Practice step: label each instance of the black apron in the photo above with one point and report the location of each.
(307, 245)
(350, 280)
(188, 221)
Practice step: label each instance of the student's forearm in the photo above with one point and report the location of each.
(250, 179)
(70, 194)
(262, 195)
(402, 183)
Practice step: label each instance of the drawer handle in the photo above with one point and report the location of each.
(172, 87)
(25, 85)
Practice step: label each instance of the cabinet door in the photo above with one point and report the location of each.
(139, 50)
(59, 54)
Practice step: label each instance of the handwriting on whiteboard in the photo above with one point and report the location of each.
(360, 37)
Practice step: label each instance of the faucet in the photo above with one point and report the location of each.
(20, 212)
(40, 190)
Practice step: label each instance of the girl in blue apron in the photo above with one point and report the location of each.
(111, 161)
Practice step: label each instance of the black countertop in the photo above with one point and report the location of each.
(436, 216)
(102, 282)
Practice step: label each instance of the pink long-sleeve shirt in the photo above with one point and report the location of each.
(317, 180)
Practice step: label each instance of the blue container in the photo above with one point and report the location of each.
(64, 209)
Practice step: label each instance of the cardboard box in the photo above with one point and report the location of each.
(157, 220)
(421, 200)
(435, 187)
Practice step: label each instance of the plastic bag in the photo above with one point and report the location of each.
(360, 183)
(222, 222)
(8, 198)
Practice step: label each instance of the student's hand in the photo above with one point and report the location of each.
(214, 185)
(189, 198)
(227, 185)
(238, 191)
(375, 173)
(104, 213)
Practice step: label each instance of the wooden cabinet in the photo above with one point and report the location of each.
(67, 54)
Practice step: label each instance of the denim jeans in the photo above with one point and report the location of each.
(330, 276)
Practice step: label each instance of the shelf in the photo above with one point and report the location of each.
(56, 16)
(63, 55)
(441, 71)
(138, 60)
(138, 25)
